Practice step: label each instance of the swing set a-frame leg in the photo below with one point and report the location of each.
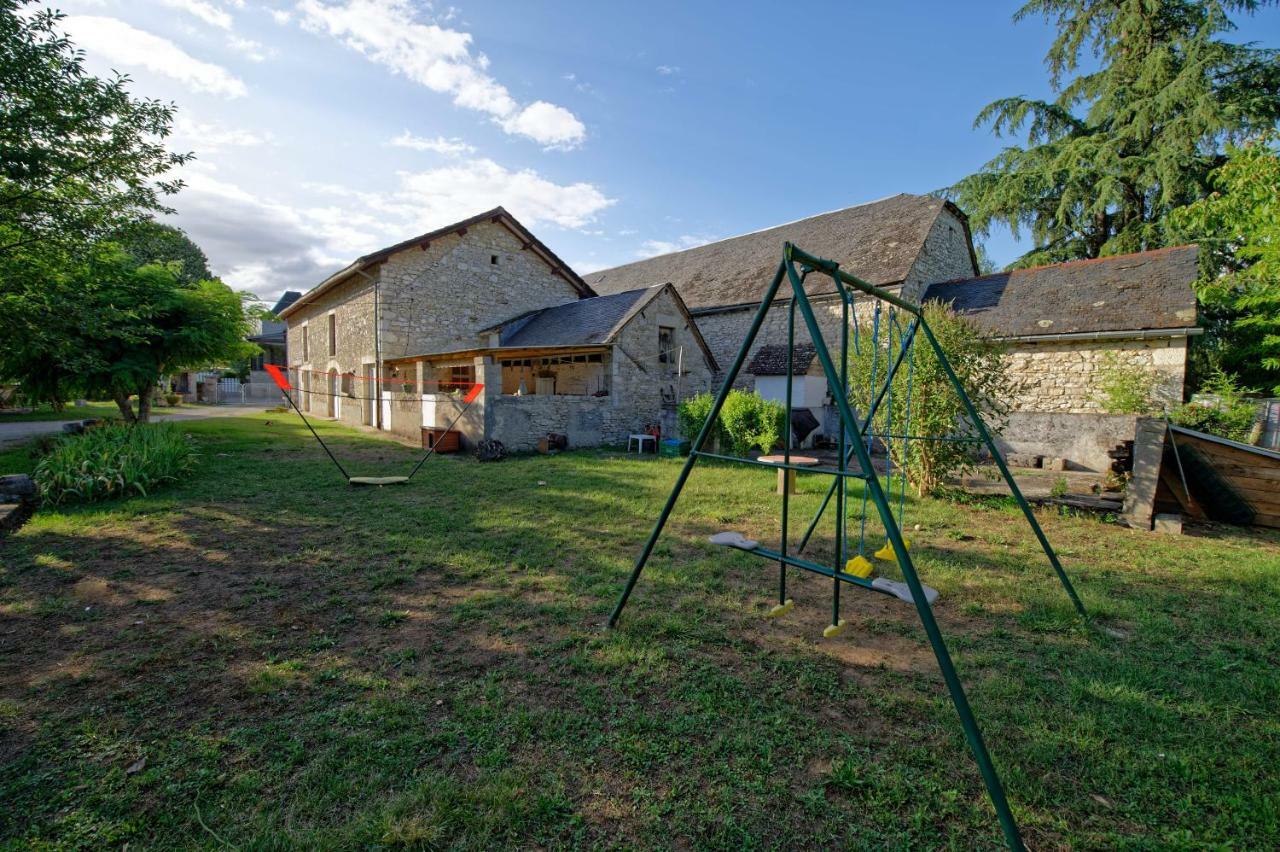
(983, 433)
(853, 431)
(995, 790)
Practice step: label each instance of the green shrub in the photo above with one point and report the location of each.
(1231, 415)
(747, 421)
(693, 412)
(114, 461)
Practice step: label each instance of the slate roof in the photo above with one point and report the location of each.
(878, 242)
(771, 360)
(581, 323)
(1148, 290)
(289, 297)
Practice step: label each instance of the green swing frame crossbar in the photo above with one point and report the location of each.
(853, 446)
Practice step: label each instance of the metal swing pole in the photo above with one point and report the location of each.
(286, 387)
(467, 401)
(841, 482)
(698, 443)
(871, 413)
(958, 698)
(1004, 470)
(786, 459)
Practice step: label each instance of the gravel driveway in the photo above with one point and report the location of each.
(14, 433)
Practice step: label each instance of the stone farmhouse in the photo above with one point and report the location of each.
(601, 356)
(389, 341)
(1063, 323)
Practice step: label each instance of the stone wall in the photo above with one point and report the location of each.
(944, 257)
(1065, 377)
(430, 300)
(437, 299)
(1082, 439)
(637, 382)
(351, 304)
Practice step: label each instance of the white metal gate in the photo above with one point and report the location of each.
(230, 392)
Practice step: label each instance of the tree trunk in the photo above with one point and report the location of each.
(126, 408)
(144, 401)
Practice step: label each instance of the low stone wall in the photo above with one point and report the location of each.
(1082, 439)
(519, 421)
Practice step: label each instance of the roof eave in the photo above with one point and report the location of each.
(1120, 334)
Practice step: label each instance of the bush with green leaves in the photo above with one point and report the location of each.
(1122, 389)
(933, 407)
(747, 421)
(1228, 413)
(114, 461)
(692, 413)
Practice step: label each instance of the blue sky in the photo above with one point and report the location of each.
(325, 129)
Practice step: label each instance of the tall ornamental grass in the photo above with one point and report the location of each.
(114, 461)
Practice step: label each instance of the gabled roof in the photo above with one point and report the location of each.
(497, 215)
(1149, 290)
(289, 297)
(580, 323)
(771, 360)
(587, 322)
(878, 242)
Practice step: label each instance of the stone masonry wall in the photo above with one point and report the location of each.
(351, 303)
(437, 299)
(945, 256)
(1065, 377)
(637, 380)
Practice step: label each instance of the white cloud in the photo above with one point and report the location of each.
(668, 70)
(117, 42)
(281, 16)
(207, 137)
(449, 147)
(553, 126)
(265, 246)
(252, 50)
(454, 192)
(441, 59)
(202, 9)
(653, 248)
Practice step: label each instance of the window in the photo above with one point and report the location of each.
(493, 259)
(461, 377)
(306, 347)
(333, 334)
(666, 343)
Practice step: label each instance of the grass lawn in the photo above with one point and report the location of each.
(70, 412)
(265, 657)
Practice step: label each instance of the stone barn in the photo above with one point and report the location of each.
(1063, 323)
(389, 342)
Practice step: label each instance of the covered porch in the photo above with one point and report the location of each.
(426, 392)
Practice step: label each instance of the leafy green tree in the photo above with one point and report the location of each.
(107, 326)
(1124, 143)
(149, 241)
(932, 408)
(79, 156)
(1238, 229)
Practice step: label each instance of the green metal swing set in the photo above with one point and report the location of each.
(854, 451)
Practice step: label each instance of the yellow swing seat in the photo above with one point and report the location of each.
(859, 566)
(887, 553)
